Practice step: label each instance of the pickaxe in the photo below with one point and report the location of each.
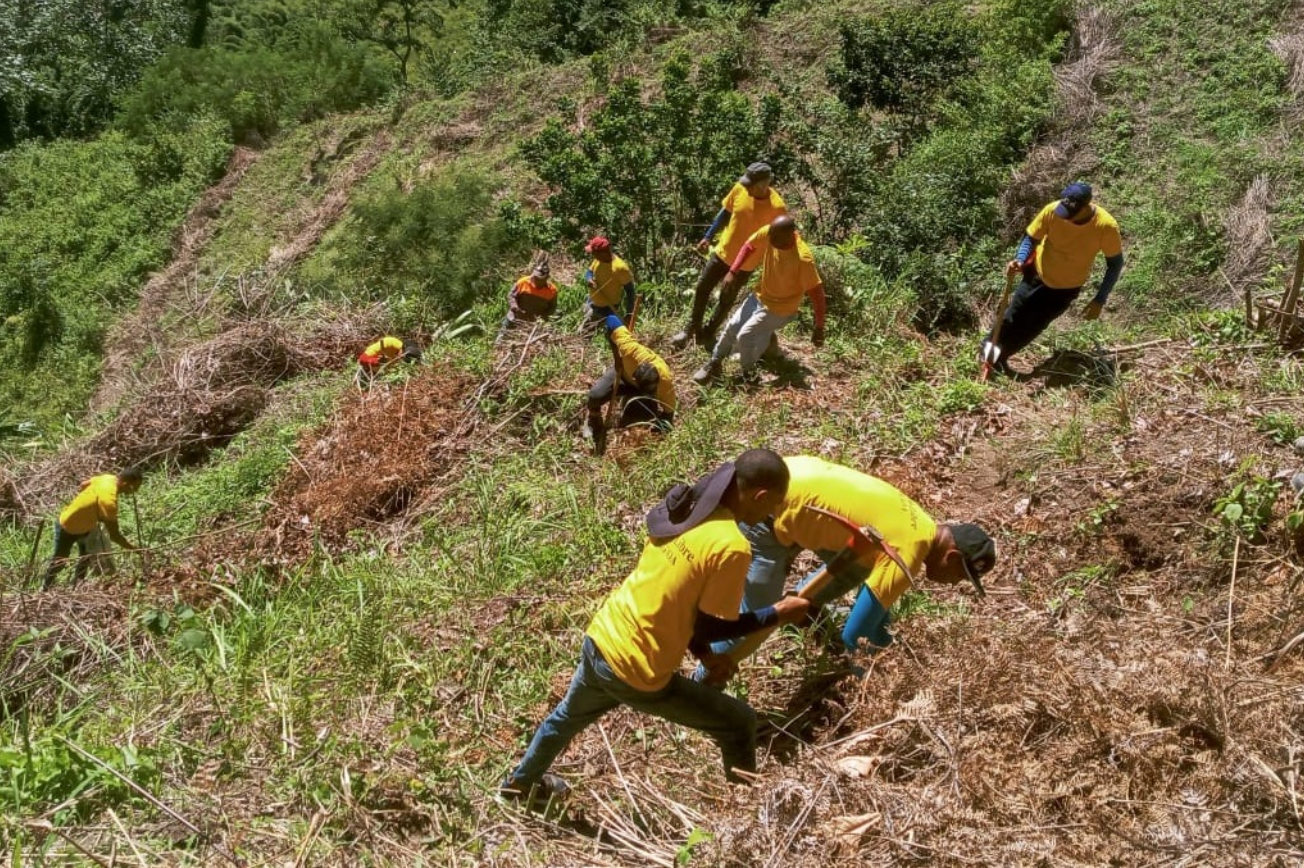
(992, 348)
(863, 543)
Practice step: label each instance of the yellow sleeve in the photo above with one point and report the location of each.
(1038, 227)
(730, 201)
(108, 501)
(760, 244)
(1111, 242)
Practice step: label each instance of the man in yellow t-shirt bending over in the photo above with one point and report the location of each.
(787, 276)
(949, 553)
(647, 387)
(96, 504)
(683, 594)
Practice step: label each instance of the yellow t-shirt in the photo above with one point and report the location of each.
(97, 502)
(747, 214)
(644, 626)
(1067, 250)
(786, 275)
(387, 348)
(609, 282)
(632, 354)
(863, 499)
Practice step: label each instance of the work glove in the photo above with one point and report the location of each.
(817, 337)
(1092, 310)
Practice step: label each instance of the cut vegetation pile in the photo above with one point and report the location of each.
(212, 392)
(379, 452)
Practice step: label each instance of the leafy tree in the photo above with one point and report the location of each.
(905, 60)
(648, 169)
(400, 27)
(63, 62)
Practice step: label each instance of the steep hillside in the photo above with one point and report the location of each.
(357, 605)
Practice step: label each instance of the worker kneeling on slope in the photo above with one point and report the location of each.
(381, 354)
(644, 390)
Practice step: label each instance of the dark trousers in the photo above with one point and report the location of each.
(713, 272)
(63, 543)
(638, 406)
(1033, 306)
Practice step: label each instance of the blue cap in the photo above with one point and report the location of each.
(1074, 198)
(614, 322)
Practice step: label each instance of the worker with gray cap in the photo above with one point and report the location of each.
(750, 204)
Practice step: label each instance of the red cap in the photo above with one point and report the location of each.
(596, 244)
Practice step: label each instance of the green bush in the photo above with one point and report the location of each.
(646, 170)
(441, 242)
(311, 73)
(905, 60)
(81, 225)
(64, 62)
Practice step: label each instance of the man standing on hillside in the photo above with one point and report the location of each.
(949, 553)
(96, 504)
(1055, 258)
(532, 298)
(748, 206)
(683, 594)
(787, 274)
(609, 281)
(646, 391)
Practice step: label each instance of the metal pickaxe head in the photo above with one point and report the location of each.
(865, 539)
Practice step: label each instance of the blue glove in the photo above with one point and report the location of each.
(614, 322)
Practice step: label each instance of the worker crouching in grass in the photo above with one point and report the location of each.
(639, 382)
(96, 504)
(380, 355)
(532, 298)
(683, 594)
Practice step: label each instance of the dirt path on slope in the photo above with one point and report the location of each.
(142, 328)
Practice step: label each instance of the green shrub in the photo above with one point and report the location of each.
(442, 242)
(81, 225)
(311, 73)
(905, 60)
(644, 170)
(64, 62)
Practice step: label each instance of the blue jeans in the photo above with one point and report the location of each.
(750, 327)
(595, 690)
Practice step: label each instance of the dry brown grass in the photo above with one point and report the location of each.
(1249, 239)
